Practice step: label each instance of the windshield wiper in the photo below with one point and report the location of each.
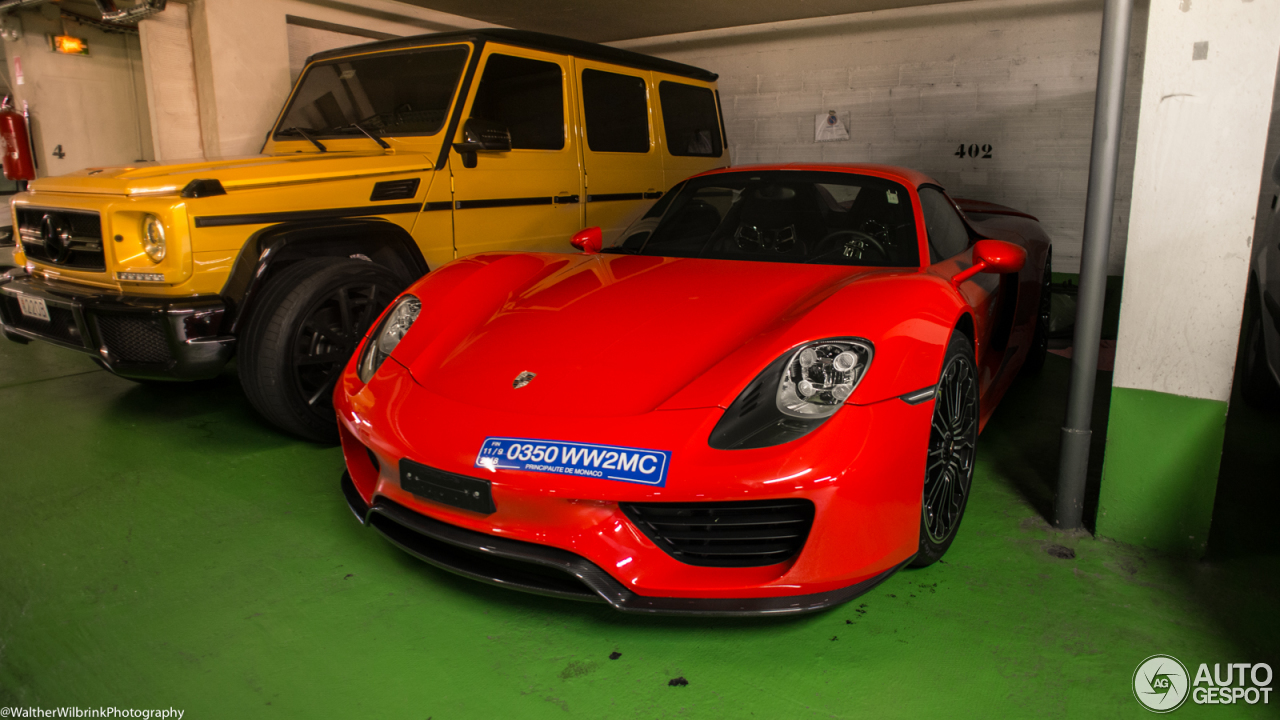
(376, 138)
(302, 134)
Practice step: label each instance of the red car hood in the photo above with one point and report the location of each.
(606, 335)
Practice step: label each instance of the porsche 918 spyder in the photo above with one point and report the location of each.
(765, 398)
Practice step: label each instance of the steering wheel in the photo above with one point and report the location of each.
(854, 247)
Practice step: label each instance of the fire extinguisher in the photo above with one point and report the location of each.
(15, 142)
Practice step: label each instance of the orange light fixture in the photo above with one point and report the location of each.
(70, 45)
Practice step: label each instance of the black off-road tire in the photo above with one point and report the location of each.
(1257, 386)
(953, 438)
(303, 330)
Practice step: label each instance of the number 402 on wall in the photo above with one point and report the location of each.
(974, 151)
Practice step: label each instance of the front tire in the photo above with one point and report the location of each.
(303, 331)
(953, 438)
(1258, 387)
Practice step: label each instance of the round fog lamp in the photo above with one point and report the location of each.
(153, 238)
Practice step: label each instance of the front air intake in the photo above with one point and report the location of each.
(726, 534)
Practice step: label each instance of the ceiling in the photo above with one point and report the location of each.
(610, 20)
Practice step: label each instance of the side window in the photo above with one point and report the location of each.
(526, 97)
(948, 236)
(617, 112)
(692, 123)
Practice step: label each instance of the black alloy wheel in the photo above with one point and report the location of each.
(953, 438)
(304, 330)
(1040, 339)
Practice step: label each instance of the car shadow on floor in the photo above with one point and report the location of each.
(1022, 438)
(215, 410)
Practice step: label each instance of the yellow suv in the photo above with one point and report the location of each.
(388, 160)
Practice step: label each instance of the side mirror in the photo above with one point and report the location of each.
(993, 256)
(481, 136)
(589, 241)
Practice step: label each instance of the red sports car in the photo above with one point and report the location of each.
(764, 399)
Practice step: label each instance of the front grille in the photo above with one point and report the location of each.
(134, 338)
(83, 249)
(726, 534)
(61, 325)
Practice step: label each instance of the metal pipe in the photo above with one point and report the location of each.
(145, 8)
(15, 4)
(1108, 109)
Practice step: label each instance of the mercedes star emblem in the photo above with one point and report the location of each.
(523, 379)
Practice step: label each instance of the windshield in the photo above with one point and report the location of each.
(831, 218)
(405, 93)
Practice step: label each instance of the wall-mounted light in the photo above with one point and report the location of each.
(69, 45)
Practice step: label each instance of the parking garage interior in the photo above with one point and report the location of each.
(162, 545)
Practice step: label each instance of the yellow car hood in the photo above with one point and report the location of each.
(234, 173)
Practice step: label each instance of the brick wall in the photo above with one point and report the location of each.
(916, 84)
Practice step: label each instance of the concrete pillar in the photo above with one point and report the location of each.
(1206, 102)
(171, 84)
(241, 54)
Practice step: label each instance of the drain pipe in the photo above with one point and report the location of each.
(145, 8)
(1073, 462)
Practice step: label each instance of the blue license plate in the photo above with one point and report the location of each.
(607, 462)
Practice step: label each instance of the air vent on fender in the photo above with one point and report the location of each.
(395, 190)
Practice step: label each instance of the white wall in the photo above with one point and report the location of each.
(1201, 145)
(239, 75)
(93, 106)
(917, 83)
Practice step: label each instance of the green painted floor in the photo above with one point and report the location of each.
(160, 546)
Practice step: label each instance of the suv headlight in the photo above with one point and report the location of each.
(807, 386)
(153, 238)
(387, 335)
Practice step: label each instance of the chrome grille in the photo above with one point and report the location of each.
(66, 238)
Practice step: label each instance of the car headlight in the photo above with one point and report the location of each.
(820, 376)
(807, 385)
(387, 335)
(153, 238)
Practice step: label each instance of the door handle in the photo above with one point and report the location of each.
(565, 199)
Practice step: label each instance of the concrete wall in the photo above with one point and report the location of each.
(239, 74)
(93, 106)
(917, 83)
(1206, 108)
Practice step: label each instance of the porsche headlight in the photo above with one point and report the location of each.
(153, 238)
(387, 335)
(808, 384)
(820, 376)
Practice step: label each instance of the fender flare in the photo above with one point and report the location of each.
(271, 248)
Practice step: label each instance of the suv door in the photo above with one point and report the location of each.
(620, 153)
(528, 198)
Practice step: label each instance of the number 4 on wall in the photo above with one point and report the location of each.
(974, 151)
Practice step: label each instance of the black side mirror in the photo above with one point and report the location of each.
(481, 136)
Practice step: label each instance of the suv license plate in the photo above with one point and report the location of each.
(33, 307)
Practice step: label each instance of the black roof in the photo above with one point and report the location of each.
(536, 41)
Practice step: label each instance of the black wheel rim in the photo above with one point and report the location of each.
(953, 440)
(327, 336)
